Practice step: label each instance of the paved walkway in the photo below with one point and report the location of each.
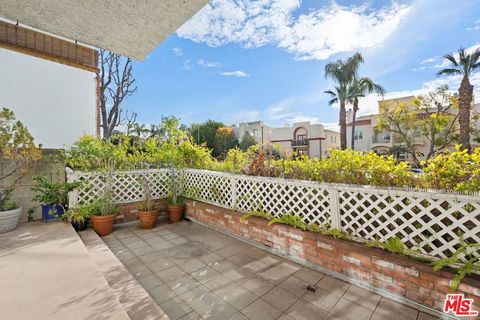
(46, 273)
(193, 272)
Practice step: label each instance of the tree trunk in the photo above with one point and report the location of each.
(343, 125)
(354, 117)
(465, 93)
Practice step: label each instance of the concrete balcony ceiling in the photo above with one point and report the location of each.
(129, 28)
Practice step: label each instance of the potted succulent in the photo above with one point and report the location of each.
(146, 209)
(17, 147)
(52, 196)
(103, 212)
(78, 217)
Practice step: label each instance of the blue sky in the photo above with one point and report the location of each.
(263, 60)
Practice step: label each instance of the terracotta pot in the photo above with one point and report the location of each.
(148, 219)
(103, 225)
(175, 212)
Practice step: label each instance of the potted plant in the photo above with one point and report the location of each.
(17, 147)
(78, 217)
(146, 209)
(175, 208)
(103, 211)
(52, 196)
(175, 158)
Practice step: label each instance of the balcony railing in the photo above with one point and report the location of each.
(301, 142)
(381, 139)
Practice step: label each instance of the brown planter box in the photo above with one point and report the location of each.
(398, 275)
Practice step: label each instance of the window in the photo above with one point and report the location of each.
(333, 139)
(358, 135)
(301, 137)
(256, 133)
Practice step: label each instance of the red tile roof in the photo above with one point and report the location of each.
(361, 122)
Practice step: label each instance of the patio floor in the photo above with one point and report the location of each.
(193, 272)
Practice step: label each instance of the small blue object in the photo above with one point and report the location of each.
(48, 208)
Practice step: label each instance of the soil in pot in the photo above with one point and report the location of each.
(148, 219)
(175, 212)
(103, 225)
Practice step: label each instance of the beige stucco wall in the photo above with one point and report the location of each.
(51, 166)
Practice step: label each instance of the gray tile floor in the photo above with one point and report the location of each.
(194, 272)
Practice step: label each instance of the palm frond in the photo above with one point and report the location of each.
(449, 72)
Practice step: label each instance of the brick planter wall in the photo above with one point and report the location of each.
(129, 211)
(398, 275)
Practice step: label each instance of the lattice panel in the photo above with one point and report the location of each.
(429, 223)
(279, 197)
(125, 186)
(210, 187)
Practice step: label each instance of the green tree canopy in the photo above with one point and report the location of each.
(247, 141)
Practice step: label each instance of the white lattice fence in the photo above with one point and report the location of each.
(126, 186)
(426, 221)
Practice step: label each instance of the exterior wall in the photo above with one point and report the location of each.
(380, 145)
(56, 102)
(364, 144)
(285, 135)
(391, 274)
(260, 132)
(51, 165)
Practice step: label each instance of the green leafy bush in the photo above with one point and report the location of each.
(457, 170)
(470, 251)
(18, 147)
(47, 192)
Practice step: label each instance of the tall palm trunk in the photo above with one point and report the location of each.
(354, 117)
(343, 125)
(466, 94)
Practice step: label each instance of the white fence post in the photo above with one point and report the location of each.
(335, 209)
(73, 195)
(233, 182)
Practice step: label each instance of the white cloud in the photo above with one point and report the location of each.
(429, 60)
(207, 64)
(316, 35)
(475, 26)
(187, 64)
(178, 52)
(445, 63)
(236, 74)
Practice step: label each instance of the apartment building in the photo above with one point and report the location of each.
(302, 138)
(367, 139)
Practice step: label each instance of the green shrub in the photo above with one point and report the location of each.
(468, 251)
(457, 170)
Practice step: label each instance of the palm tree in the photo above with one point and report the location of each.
(465, 65)
(343, 73)
(340, 95)
(358, 88)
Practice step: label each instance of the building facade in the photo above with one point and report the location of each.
(303, 138)
(50, 84)
(367, 139)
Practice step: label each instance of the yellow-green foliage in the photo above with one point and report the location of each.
(352, 167)
(91, 154)
(457, 170)
(234, 162)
